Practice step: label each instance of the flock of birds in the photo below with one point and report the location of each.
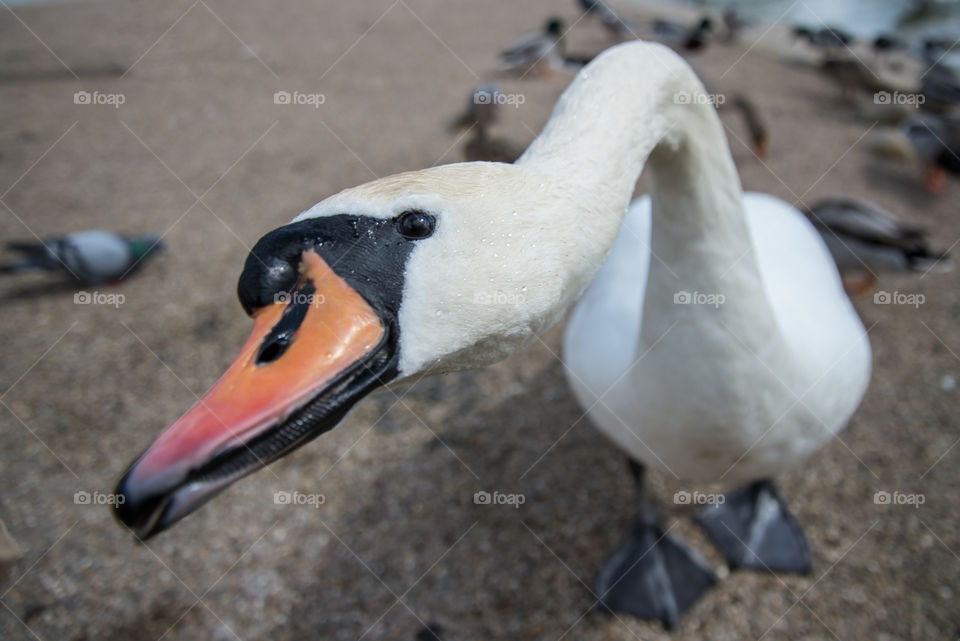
(701, 391)
(864, 238)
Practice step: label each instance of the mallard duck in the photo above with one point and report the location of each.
(866, 240)
(682, 37)
(539, 52)
(825, 38)
(936, 142)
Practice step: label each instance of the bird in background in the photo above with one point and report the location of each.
(92, 257)
(866, 240)
(682, 37)
(759, 133)
(482, 111)
(540, 52)
(482, 108)
(936, 144)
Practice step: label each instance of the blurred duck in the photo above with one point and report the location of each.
(482, 111)
(888, 42)
(889, 143)
(536, 52)
(866, 240)
(940, 89)
(682, 37)
(759, 136)
(826, 38)
(936, 143)
(862, 72)
(931, 140)
(943, 52)
(486, 148)
(92, 257)
(733, 24)
(483, 108)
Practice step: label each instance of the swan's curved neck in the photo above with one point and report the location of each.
(640, 105)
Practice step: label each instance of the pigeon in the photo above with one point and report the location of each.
(91, 257)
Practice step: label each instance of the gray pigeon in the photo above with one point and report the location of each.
(92, 257)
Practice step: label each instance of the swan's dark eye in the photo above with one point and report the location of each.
(416, 224)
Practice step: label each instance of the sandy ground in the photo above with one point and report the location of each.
(200, 151)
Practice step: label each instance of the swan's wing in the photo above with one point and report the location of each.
(601, 336)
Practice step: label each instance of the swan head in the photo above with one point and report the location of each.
(425, 272)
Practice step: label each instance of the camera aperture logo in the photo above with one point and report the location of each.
(499, 498)
(499, 298)
(83, 497)
(299, 98)
(115, 299)
(99, 98)
(699, 298)
(491, 97)
(883, 497)
(283, 497)
(899, 98)
(697, 98)
(299, 298)
(898, 298)
(684, 497)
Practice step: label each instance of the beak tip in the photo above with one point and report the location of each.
(139, 512)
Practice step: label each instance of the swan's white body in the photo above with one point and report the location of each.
(711, 399)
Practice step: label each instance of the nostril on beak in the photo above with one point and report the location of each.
(273, 348)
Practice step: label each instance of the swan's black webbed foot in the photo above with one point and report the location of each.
(754, 529)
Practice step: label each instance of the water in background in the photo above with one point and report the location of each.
(912, 19)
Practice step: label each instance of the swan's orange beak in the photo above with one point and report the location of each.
(312, 354)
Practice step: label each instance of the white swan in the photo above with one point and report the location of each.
(417, 274)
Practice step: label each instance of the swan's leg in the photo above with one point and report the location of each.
(754, 529)
(652, 575)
